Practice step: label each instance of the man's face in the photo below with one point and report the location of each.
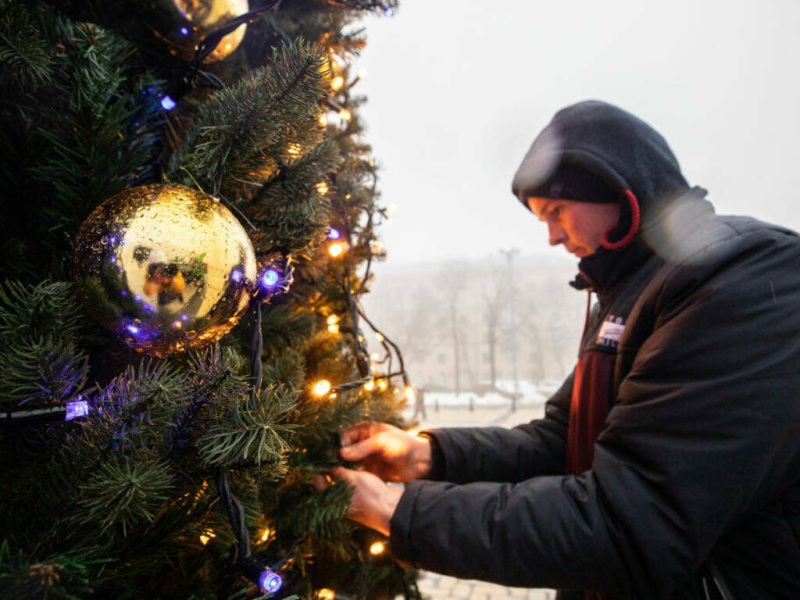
(579, 226)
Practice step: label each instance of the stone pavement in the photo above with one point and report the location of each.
(438, 587)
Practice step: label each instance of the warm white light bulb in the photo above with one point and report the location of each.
(377, 548)
(335, 250)
(411, 396)
(322, 387)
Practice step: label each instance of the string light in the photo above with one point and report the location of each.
(374, 356)
(337, 83)
(168, 103)
(270, 581)
(377, 246)
(411, 396)
(377, 548)
(379, 337)
(334, 234)
(322, 387)
(206, 536)
(265, 534)
(370, 385)
(333, 324)
(293, 149)
(383, 385)
(336, 249)
(323, 120)
(345, 115)
(322, 188)
(326, 594)
(413, 432)
(76, 408)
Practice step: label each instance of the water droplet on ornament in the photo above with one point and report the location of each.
(104, 240)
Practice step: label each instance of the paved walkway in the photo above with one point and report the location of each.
(439, 587)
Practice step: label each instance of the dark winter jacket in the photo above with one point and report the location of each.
(694, 344)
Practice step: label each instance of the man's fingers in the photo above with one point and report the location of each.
(360, 450)
(357, 432)
(320, 482)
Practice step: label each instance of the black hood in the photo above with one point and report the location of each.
(613, 144)
(627, 154)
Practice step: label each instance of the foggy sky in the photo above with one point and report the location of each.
(458, 90)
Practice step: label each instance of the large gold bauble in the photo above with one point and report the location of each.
(164, 267)
(189, 21)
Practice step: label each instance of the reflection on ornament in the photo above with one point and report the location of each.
(164, 267)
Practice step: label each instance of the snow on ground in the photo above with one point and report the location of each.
(530, 394)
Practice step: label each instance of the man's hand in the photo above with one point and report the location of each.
(373, 502)
(386, 451)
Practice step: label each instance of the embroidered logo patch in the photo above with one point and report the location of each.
(611, 332)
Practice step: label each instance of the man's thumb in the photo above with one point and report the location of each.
(359, 450)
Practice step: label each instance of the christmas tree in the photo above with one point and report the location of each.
(178, 464)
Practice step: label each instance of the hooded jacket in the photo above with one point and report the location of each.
(668, 464)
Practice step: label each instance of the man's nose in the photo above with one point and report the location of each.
(556, 234)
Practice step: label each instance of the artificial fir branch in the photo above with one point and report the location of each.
(245, 132)
(254, 432)
(24, 61)
(40, 363)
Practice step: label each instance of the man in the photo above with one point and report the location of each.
(668, 464)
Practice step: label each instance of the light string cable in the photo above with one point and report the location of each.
(209, 43)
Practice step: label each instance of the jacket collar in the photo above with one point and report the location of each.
(604, 270)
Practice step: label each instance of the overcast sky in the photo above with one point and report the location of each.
(459, 89)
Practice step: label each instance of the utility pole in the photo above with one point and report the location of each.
(510, 254)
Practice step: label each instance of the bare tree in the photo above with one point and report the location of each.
(495, 302)
(452, 279)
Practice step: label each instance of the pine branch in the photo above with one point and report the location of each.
(290, 210)
(24, 61)
(246, 132)
(253, 432)
(100, 134)
(123, 494)
(65, 575)
(40, 363)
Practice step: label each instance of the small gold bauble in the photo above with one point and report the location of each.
(193, 20)
(164, 267)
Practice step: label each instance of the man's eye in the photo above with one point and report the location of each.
(556, 212)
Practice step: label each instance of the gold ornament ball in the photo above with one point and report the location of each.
(164, 267)
(180, 25)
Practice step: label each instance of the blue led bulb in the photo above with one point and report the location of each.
(270, 278)
(168, 103)
(334, 234)
(269, 581)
